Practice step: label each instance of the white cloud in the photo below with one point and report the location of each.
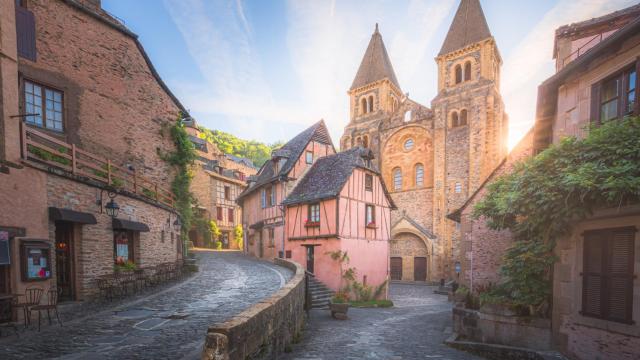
(530, 63)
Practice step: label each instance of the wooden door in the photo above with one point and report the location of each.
(310, 258)
(65, 279)
(420, 269)
(260, 245)
(396, 268)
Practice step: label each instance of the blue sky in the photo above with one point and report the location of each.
(265, 70)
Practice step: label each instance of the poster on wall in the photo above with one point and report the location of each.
(37, 267)
(5, 257)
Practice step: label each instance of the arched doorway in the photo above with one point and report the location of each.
(409, 257)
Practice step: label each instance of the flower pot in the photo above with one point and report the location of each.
(339, 310)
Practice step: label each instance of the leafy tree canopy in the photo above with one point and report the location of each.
(253, 150)
(543, 195)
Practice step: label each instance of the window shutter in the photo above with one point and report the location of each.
(592, 276)
(595, 104)
(26, 33)
(620, 271)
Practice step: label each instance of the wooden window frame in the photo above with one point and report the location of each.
(263, 198)
(370, 222)
(308, 154)
(25, 247)
(219, 215)
(227, 192)
(43, 105)
(272, 196)
(313, 217)
(368, 182)
(230, 214)
(622, 97)
(605, 236)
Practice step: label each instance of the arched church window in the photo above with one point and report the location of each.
(407, 116)
(397, 179)
(463, 117)
(454, 119)
(370, 103)
(467, 71)
(408, 145)
(363, 105)
(419, 175)
(458, 70)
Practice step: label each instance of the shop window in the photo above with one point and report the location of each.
(35, 261)
(46, 105)
(123, 247)
(607, 277)
(368, 182)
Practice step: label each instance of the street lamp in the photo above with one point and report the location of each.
(112, 208)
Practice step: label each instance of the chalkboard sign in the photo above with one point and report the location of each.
(5, 258)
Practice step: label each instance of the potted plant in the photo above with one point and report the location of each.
(339, 305)
(124, 266)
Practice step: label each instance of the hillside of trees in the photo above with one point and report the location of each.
(253, 150)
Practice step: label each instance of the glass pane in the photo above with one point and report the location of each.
(632, 80)
(49, 94)
(37, 90)
(28, 87)
(631, 101)
(609, 110)
(57, 96)
(29, 98)
(610, 89)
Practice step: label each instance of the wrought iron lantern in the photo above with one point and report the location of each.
(177, 224)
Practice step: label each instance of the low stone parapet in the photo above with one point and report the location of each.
(264, 329)
(502, 328)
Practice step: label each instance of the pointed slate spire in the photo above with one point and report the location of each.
(469, 26)
(375, 64)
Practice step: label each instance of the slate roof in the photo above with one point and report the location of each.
(240, 160)
(293, 149)
(328, 175)
(469, 26)
(375, 64)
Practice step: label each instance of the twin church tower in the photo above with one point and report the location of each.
(432, 158)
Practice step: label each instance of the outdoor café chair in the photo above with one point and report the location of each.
(51, 305)
(31, 297)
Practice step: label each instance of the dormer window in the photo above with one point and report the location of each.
(309, 157)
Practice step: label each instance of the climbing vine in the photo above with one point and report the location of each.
(181, 159)
(542, 196)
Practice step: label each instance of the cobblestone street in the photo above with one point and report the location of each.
(170, 324)
(414, 329)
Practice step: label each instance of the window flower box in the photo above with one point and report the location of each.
(311, 224)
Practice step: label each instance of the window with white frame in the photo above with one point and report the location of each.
(43, 105)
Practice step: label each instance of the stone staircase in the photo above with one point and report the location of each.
(320, 293)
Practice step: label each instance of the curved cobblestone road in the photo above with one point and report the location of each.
(413, 329)
(153, 327)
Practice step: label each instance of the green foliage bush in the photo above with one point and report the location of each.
(238, 235)
(253, 150)
(543, 195)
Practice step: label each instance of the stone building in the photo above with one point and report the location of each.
(217, 181)
(263, 215)
(433, 158)
(83, 119)
(596, 307)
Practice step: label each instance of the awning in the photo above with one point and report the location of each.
(120, 224)
(257, 225)
(57, 214)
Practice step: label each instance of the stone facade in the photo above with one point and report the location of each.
(217, 181)
(113, 106)
(433, 158)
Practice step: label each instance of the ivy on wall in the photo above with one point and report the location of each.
(540, 199)
(182, 159)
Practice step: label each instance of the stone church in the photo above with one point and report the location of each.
(432, 158)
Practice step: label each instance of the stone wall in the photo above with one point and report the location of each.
(500, 329)
(266, 328)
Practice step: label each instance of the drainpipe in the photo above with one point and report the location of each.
(284, 221)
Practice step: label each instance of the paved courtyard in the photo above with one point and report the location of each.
(414, 329)
(170, 324)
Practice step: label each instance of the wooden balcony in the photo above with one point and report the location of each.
(40, 148)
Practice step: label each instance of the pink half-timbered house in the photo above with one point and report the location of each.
(263, 215)
(340, 204)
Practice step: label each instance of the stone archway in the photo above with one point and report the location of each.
(410, 251)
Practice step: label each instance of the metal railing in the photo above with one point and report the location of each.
(45, 149)
(581, 50)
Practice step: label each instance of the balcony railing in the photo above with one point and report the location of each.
(582, 49)
(41, 148)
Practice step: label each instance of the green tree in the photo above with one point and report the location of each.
(253, 150)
